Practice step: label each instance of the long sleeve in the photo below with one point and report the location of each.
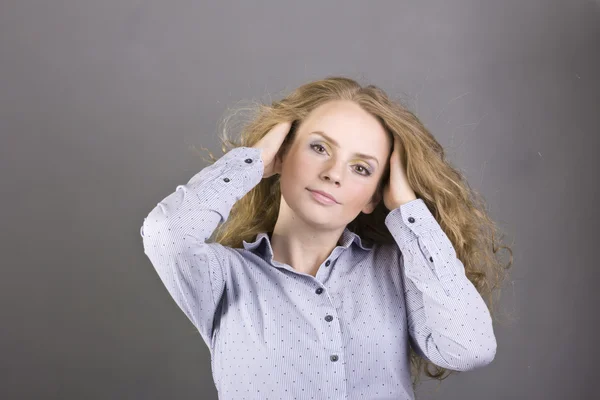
(448, 321)
(175, 232)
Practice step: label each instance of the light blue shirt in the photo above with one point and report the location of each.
(276, 333)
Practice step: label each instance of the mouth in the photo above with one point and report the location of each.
(323, 197)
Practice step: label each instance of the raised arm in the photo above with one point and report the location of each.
(175, 232)
(448, 321)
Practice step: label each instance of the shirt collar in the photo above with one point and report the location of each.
(347, 239)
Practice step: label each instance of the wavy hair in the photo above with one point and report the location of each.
(459, 210)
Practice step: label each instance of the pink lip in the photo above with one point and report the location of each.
(324, 194)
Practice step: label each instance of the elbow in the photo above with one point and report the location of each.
(156, 233)
(481, 357)
(155, 223)
(490, 353)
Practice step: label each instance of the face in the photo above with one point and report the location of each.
(339, 149)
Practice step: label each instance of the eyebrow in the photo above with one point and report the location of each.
(362, 155)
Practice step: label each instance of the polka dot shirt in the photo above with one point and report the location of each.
(275, 333)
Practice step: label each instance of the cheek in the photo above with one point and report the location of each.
(359, 194)
(300, 168)
(295, 176)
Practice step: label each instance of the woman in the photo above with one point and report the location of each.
(345, 246)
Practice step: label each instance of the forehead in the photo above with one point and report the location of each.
(350, 126)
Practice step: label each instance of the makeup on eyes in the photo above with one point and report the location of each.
(368, 168)
(333, 142)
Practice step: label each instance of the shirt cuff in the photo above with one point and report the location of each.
(410, 221)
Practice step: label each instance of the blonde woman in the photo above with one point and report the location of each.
(345, 252)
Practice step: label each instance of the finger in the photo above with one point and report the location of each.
(282, 129)
(395, 159)
(398, 148)
(396, 145)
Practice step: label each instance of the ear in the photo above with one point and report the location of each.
(370, 207)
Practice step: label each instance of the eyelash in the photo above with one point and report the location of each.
(367, 172)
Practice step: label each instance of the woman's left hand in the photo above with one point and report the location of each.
(397, 191)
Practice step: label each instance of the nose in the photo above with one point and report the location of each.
(333, 173)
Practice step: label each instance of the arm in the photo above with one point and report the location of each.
(175, 232)
(448, 321)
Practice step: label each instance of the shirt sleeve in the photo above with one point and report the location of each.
(449, 323)
(175, 232)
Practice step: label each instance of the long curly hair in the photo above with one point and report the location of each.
(459, 210)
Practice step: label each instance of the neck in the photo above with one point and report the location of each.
(300, 245)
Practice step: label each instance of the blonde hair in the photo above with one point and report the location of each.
(459, 210)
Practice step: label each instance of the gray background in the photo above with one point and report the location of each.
(100, 102)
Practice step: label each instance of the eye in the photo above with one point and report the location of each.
(366, 171)
(317, 146)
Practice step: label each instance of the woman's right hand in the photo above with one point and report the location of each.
(270, 145)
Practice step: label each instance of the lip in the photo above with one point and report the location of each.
(324, 194)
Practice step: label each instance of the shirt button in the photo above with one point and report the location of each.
(329, 318)
(248, 160)
(411, 219)
(334, 358)
(327, 263)
(431, 259)
(226, 179)
(319, 291)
